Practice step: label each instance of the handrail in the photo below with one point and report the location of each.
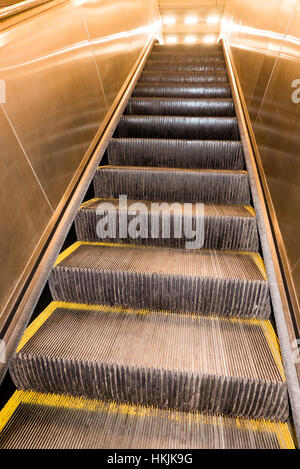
(276, 286)
(51, 243)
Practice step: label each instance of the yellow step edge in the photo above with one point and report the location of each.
(274, 346)
(255, 256)
(260, 263)
(248, 208)
(84, 204)
(167, 168)
(67, 252)
(280, 429)
(264, 324)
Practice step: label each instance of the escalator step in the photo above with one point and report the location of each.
(180, 280)
(187, 57)
(183, 90)
(224, 227)
(189, 154)
(180, 107)
(103, 353)
(182, 77)
(190, 48)
(174, 185)
(77, 423)
(180, 127)
(155, 65)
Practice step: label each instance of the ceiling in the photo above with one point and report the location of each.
(177, 12)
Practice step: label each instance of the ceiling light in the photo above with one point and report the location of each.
(190, 19)
(171, 40)
(209, 39)
(212, 19)
(169, 20)
(190, 39)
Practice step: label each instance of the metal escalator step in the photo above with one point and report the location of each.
(104, 354)
(156, 65)
(180, 107)
(183, 90)
(189, 154)
(180, 127)
(186, 57)
(174, 185)
(77, 423)
(182, 77)
(180, 280)
(223, 227)
(191, 48)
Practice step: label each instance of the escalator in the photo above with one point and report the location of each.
(148, 344)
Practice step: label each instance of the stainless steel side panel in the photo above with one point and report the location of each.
(265, 42)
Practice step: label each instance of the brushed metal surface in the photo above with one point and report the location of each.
(265, 42)
(108, 35)
(118, 31)
(56, 103)
(54, 100)
(22, 219)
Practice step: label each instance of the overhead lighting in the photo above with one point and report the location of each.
(190, 39)
(209, 39)
(214, 19)
(190, 19)
(169, 20)
(171, 40)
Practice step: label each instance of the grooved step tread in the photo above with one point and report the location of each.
(196, 48)
(210, 210)
(184, 66)
(181, 107)
(86, 424)
(192, 154)
(104, 354)
(157, 76)
(180, 127)
(186, 57)
(173, 184)
(211, 90)
(182, 280)
(230, 227)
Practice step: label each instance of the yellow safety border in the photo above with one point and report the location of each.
(161, 168)
(265, 325)
(254, 255)
(250, 210)
(279, 429)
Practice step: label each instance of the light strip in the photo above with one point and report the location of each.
(169, 20)
(190, 39)
(212, 19)
(171, 40)
(209, 39)
(191, 19)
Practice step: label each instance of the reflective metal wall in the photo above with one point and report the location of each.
(265, 40)
(62, 69)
